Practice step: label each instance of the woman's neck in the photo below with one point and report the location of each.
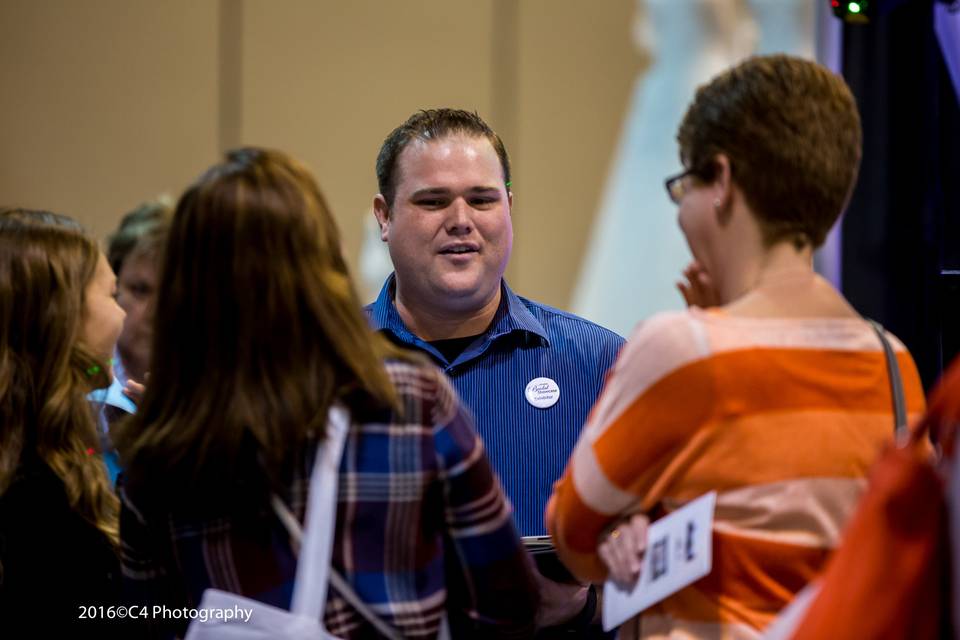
(783, 284)
(780, 265)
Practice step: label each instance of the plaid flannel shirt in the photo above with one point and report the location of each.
(423, 528)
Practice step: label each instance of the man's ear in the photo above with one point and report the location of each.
(381, 210)
(510, 201)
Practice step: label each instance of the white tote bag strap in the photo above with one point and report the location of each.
(790, 617)
(343, 587)
(315, 545)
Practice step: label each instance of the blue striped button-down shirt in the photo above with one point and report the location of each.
(527, 446)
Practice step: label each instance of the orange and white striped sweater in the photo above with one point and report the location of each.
(783, 417)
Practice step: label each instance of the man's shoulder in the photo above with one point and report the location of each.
(559, 322)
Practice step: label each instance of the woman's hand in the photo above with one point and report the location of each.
(698, 288)
(622, 550)
(134, 390)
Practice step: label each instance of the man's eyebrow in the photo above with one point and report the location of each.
(430, 191)
(442, 191)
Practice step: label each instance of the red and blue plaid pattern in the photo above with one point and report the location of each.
(423, 528)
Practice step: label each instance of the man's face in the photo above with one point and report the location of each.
(449, 227)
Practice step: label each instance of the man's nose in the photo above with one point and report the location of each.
(459, 217)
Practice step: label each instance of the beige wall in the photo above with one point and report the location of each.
(104, 103)
(109, 102)
(347, 73)
(576, 66)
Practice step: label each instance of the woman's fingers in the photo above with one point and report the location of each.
(614, 554)
(626, 557)
(623, 548)
(134, 390)
(687, 294)
(639, 524)
(605, 551)
(697, 287)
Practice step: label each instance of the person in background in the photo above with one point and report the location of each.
(134, 255)
(528, 372)
(134, 252)
(59, 324)
(778, 398)
(261, 333)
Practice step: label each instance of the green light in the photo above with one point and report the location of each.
(854, 7)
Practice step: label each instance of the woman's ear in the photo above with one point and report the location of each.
(722, 188)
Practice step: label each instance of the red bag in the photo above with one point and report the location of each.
(887, 578)
(890, 578)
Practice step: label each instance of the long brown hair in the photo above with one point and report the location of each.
(257, 330)
(46, 262)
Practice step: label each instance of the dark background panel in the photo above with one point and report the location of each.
(901, 229)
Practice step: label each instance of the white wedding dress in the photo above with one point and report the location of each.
(636, 251)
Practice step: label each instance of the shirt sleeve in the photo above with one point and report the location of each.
(146, 581)
(657, 396)
(491, 590)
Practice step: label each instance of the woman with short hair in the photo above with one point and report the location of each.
(770, 389)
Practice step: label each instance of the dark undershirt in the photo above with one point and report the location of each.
(453, 347)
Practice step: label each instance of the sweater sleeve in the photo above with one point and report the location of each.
(659, 394)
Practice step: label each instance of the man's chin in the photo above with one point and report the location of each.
(465, 297)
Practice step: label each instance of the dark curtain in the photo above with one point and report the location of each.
(901, 231)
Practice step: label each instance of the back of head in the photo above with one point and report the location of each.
(139, 230)
(427, 125)
(46, 262)
(257, 327)
(38, 218)
(791, 130)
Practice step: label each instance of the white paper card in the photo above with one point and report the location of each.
(679, 552)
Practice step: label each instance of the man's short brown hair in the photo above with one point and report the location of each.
(141, 232)
(791, 130)
(427, 125)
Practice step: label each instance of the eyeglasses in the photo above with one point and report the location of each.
(675, 186)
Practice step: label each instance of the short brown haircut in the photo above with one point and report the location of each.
(791, 130)
(141, 231)
(433, 124)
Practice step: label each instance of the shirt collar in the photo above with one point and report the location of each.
(119, 373)
(384, 315)
(512, 315)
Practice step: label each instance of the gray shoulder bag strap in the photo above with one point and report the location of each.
(896, 382)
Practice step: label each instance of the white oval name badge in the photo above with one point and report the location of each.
(542, 392)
